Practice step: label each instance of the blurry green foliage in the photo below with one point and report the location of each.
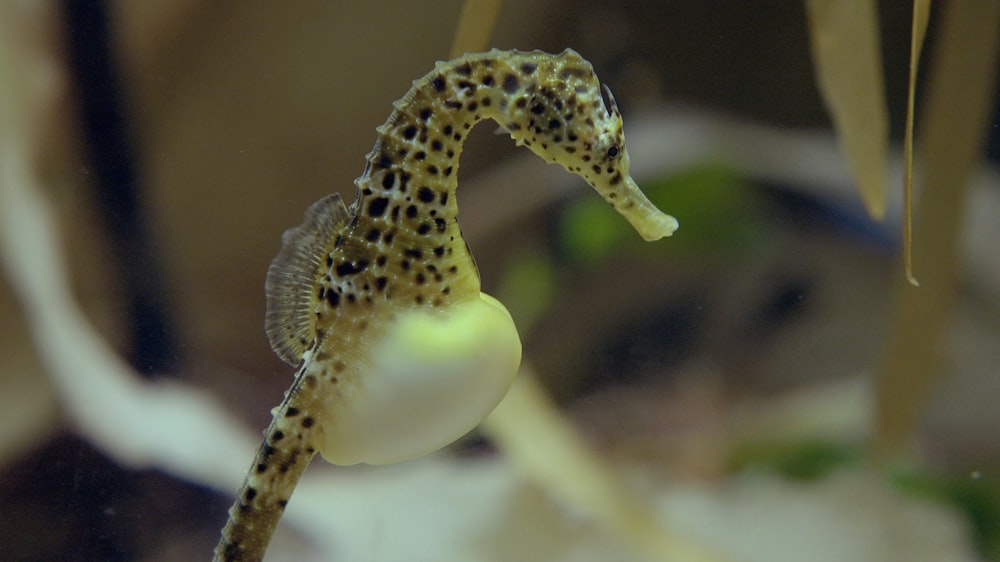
(528, 285)
(717, 209)
(974, 494)
(800, 460)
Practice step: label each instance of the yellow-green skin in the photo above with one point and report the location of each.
(379, 305)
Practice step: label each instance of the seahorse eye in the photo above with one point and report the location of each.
(613, 151)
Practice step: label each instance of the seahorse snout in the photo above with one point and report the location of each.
(650, 222)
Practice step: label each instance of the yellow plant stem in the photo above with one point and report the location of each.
(475, 26)
(848, 60)
(921, 13)
(550, 452)
(959, 98)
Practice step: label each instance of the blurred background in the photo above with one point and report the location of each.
(728, 373)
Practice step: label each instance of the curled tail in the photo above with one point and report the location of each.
(279, 463)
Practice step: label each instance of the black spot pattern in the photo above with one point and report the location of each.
(511, 83)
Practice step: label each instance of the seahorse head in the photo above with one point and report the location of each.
(566, 116)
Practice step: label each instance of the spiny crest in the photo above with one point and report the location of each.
(292, 278)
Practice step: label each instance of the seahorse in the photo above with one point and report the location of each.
(398, 352)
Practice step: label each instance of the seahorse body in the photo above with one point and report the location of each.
(379, 305)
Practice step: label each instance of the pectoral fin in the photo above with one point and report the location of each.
(290, 286)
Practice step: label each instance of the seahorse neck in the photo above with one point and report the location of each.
(415, 160)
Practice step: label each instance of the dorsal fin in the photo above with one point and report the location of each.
(290, 287)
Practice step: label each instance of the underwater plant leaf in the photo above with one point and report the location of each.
(958, 105)
(475, 26)
(847, 55)
(921, 13)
